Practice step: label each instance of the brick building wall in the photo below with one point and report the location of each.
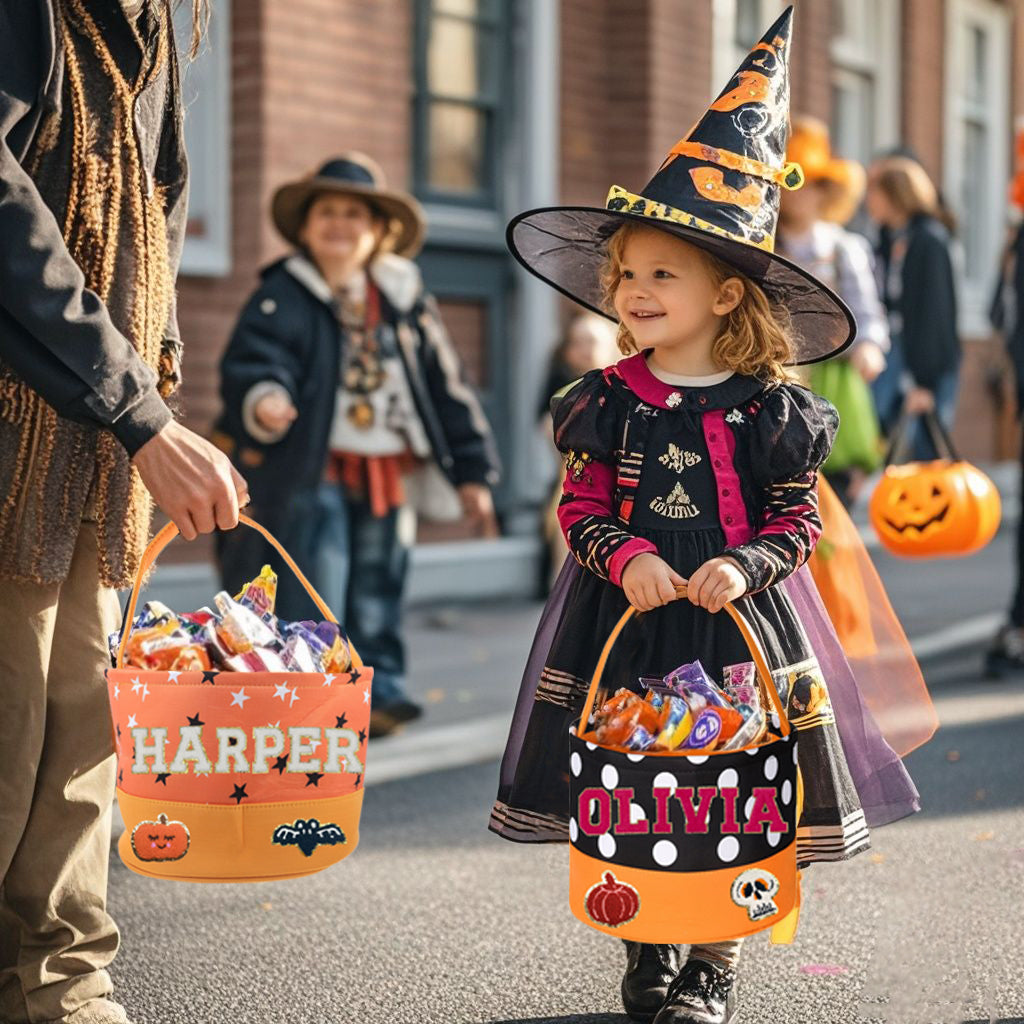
(312, 77)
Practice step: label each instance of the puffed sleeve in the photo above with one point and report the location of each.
(589, 417)
(790, 438)
(588, 422)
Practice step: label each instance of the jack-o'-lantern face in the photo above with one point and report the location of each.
(918, 505)
(160, 839)
(934, 508)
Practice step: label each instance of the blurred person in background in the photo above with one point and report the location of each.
(812, 234)
(588, 344)
(919, 293)
(341, 389)
(1006, 653)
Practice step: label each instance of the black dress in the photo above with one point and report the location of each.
(782, 433)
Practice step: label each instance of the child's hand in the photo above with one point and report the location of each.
(275, 412)
(718, 580)
(649, 582)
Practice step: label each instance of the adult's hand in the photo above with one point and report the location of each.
(193, 482)
(919, 400)
(477, 503)
(868, 360)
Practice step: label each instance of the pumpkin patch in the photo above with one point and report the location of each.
(611, 902)
(160, 839)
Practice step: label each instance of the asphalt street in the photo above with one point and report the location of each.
(434, 919)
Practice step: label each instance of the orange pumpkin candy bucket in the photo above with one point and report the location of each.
(940, 508)
(671, 847)
(237, 776)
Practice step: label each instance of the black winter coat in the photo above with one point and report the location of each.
(290, 335)
(927, 304)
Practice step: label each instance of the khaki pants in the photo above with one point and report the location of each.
(56, 788)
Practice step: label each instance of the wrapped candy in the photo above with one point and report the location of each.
(619, 717)
(306, 631)
(191, 658)
(707, 727)
(240, 634)
(740, 683)
(297, 656)
(240, 629)
(677, 723)
(260, 594)
(259, 659)
(338, 657)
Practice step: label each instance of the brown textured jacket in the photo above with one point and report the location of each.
(93, 197)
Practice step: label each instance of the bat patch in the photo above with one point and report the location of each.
(308, 835)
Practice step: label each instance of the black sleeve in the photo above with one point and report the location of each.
(462, 418)
(928, 307)
(587, 417)
(265, 346)
(172, 180)
(791, 437)
(65, 345)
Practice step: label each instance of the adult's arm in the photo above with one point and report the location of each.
(58, 335)
(462, 418)
(928, 306)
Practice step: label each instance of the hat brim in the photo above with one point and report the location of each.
(566, 246)
(407, 222)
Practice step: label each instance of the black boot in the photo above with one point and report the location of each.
(649, 971)
(1005, 656)
(702, 993)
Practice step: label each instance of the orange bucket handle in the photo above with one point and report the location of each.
(752, 642)
(167, 534)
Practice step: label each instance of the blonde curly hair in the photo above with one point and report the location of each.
(756, 337)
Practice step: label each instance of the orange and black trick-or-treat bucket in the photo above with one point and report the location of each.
(670, 847)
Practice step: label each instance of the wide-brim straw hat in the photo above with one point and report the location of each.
(358, 175)
(810, 147)
(718, 189)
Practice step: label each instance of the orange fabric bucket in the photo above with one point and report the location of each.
(670, 847)
(237, 776)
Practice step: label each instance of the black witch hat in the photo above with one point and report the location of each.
(718, 188)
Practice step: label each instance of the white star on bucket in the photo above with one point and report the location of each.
(281, 692)
(136, 685)
(172, 677)
(295, 696)
(239, 698)
(366, 696)
(132, 722)
(329, 679)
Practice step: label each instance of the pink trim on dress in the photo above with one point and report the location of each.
(721, 442)
(639, 379)
(618, 562)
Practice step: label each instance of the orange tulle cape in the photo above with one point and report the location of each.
(883, 663)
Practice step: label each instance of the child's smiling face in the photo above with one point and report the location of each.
(666, 295)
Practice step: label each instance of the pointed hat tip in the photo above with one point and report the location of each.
(782, 26)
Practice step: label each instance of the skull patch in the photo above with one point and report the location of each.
(754, 890)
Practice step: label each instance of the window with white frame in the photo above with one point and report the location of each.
(865, 77)
(976, 167)
(206, 85)
(736, 26)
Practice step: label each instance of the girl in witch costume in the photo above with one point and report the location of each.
(694, 459)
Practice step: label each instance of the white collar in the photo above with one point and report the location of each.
(398, 278)
(681, 380)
